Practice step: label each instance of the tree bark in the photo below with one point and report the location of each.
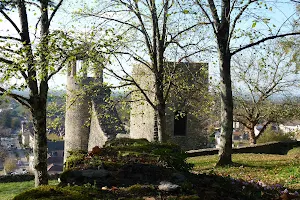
(252, 138)
(161, 124)
(221, 29)
(225, 150)
(39, 104)
(38, 111)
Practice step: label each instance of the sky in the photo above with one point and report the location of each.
(65, 21)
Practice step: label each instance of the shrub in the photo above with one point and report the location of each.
(122, 151)
(169, 155)
(9, 164)
(54, 137)
(272, 136)
(75, 159)
(294, 152)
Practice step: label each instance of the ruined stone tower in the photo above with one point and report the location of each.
(184, 116)
(88, 122)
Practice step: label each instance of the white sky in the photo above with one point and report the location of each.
(64, 21)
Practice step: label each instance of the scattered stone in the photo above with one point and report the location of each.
(149, 198)
(167, 186)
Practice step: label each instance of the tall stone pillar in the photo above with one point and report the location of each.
(77, 117)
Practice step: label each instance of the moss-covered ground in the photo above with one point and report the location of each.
(9, 190)
(254, 176)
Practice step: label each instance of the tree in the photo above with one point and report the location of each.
(258, 79)
(9, 164)
(33, 59)
(224, 21)
(3, 152)
(6, 119)
(160, 27)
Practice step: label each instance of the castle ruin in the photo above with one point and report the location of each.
(90, 121)
(185, 107)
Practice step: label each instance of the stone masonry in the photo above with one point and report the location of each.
(185, 118)
(89, 120)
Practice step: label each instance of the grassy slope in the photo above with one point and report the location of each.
(271, 169)
(9, 190)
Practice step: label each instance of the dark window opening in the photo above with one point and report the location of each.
(180, 122)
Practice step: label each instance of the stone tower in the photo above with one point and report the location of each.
(85, 126)
(77, 112)
(186, 101)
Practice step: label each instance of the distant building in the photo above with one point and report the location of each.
(55, 160)
(292, 126)
(238, 134)
(27, 134)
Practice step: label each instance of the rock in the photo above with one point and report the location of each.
(149, 198)
(168, 186)
(178, 177)
(122, 135)
(102, 173)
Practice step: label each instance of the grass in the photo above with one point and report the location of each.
(271, 169)
(9, 190)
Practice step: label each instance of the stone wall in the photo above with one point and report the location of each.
(280, 148)
(97, 136)
(141, 113)
(187, 94)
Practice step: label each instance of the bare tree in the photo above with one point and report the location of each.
(30, 58)
(258, 79)
(152, 33)
(224, 17)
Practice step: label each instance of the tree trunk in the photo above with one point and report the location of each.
(39, 104)
(226, 111)
(40, 139)
(222, 34)
(161, 124)
(252, 138)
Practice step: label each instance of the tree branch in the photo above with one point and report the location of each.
(207, 16)
(182, 31)
(10, 38)
(263, 40)
(58, 69)
(23, 100)
(54, 11)
(11, 21)
(238, 17)
(263, 129)
(34, 4)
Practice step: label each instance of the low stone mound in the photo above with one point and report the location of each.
(139, 170)
(125, 162)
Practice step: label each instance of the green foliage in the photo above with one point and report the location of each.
(54, 137)
(76, 158)
(122, 142)
(122, 151)
(272, 136)
(9, 164)
(294, 152)
(169, 155)
(141, 190)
